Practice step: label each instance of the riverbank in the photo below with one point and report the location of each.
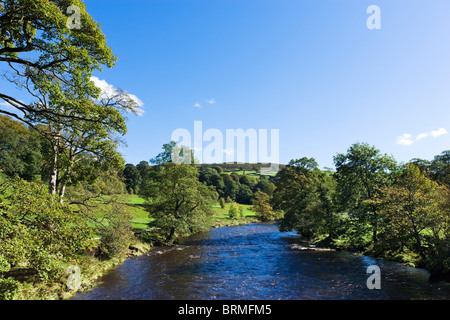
(94, 268)
(256, 261)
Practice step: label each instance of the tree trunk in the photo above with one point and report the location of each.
(54, 171)
(62, 190)
(171, 236)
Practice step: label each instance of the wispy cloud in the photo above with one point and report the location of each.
(108, 91)
(207, 102)
(434, 133)
(406, 139)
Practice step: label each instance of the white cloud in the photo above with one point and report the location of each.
(211, 101)
(197, 105)
(108, 90)
(438, 132)
(405, 139)
(422, 135)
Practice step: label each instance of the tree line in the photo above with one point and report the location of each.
(62, 174)
(371, 204)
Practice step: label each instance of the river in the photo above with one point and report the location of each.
(256, 261)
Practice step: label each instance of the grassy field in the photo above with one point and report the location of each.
(221, 217)
(140, 220)
(250, 173)
(135, 204)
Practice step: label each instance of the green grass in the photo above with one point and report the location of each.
(140, 219)
(221, 217)
(135, 204)
(250, 173)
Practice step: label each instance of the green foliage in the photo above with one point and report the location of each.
(304, 194)
(233, 211)
(173, 153)
(103, 205)
(438, 169)
(9, 288)
(222, 203)
(54, 63)
(132, 178)
(415, 215)
(359, 175)
(263, 209)
(245, 194)
(241, 212)
(181, 203)
(20, 150)
(4, 265)
(115, 237)
(38, 231)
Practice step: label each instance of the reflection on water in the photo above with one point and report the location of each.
(256, 261)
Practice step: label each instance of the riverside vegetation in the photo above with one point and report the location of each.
(67, 197)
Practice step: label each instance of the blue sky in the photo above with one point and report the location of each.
(311, 69)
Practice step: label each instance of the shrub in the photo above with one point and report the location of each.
(37, 231)
(233, 212)
(241, 212)
(9, 288)
(222, 203)
(116, 237)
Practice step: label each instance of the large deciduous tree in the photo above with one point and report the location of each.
(359, 175)
(415, 215)
(180, 203)
(304, 193)
(54, 64)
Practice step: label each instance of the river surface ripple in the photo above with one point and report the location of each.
(256, 261)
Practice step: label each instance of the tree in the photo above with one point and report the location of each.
(263, 209)
(245, 195)
(145, 171)
(173, 153)
(181, 204)
(132, 178)
(233, 211)
(222, 203)
(440, 168)
(66, 108)
(101, 203)
(231, 187)
(43, 52)
(304, 194)
(409, 207)
(264, 185)
(359, 175)
(37, 231)
(20, 150)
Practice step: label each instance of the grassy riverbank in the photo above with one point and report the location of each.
(136, 205)
(92, 267)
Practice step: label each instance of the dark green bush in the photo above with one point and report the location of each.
(9, 288)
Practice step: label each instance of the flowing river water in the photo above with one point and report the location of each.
(256, 261)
